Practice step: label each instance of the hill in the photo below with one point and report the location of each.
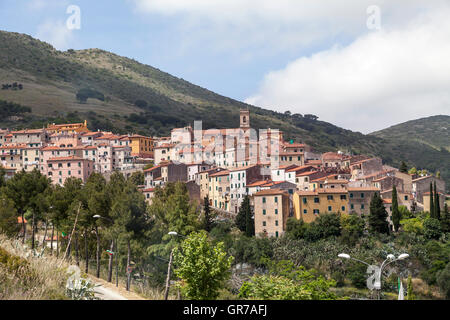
(433, 131)
(120, 94)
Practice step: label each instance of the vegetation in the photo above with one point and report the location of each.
(149, 101)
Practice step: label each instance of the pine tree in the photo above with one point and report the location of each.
(396, 216)
(431, 201)
(403, 167)
(378, 215)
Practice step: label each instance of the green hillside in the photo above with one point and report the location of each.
(433, 131)
(124, 95)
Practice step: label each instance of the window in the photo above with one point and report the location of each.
(264, 200)
(305, 211)
(362, 206)
(329, 197)
(276, 234)
(264, 211)
(406, 198)
(316, 211)
(70, 173)
(343, 208)
(329, 208)
(276, 223)
(276, 211)
(343, 197)
(351, 195)
(264, 223)
(352, 206)
(276, 199)
(305, 200)
(68, 165)
(362, 195)
(316, 200)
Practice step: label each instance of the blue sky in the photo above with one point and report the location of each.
(316, 57)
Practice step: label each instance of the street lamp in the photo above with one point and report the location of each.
(97, 216)
(391, 258)
(166, 292)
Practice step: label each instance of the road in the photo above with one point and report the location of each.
(107, 294)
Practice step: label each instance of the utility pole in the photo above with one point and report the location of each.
(73, 230)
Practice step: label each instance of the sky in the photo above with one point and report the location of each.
(363, 65)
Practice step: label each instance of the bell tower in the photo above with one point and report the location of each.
(245, 119)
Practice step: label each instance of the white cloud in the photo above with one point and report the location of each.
(381, 78)
(56, 33)
(274, 26)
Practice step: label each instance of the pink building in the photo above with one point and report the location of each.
(61, 168)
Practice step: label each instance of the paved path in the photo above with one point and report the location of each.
(109, 291)
(107, 294)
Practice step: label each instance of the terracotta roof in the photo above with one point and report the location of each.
(149, 190)
(298, 168)
(363, 189)
(425, 177)
(332, 156)
(305, 173)
(220, 173)
(242, 168)
(271, 192)
(387, 201)
(258, 183)
(32, 131)
(332, 190)
(71, 158)
(313, 162)
(153, 168)
(336, 181)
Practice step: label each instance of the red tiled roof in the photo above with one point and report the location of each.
(220, 173)
(71, 158)
(271, 192)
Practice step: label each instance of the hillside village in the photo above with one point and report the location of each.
(282, 178)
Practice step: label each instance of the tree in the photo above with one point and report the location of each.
(432, 228)
(396, 217)
(296, 229)
(128, 212)
(207, 216)
(443, 280)
(378, 215)
(432, 211)
(138, 178)
(244, 219)
(352, 228)
(25, 189)
(403, 167)
(412, 171)
(437, 205)
(445, 219)
(410, 293)
(8, 218)
(286, 281)
(201, 266)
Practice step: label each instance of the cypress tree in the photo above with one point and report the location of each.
(395, 212)
(244, 219)
(378, 215)
(445, 219)
(437, 205)
(208, 222)
(431, 201)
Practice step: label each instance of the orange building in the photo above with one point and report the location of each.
(142, 146)
(68, 128)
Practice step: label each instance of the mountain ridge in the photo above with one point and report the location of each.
(52, 78)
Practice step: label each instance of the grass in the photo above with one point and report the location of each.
(24, 276)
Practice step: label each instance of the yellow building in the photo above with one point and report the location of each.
(309, 204)
(219, 189)
(271, 212)
(142, 146)
(68, 128)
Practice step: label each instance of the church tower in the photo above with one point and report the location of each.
(245, 119)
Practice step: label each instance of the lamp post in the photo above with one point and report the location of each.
(166, 292)
(379, 271)
(97, 216)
